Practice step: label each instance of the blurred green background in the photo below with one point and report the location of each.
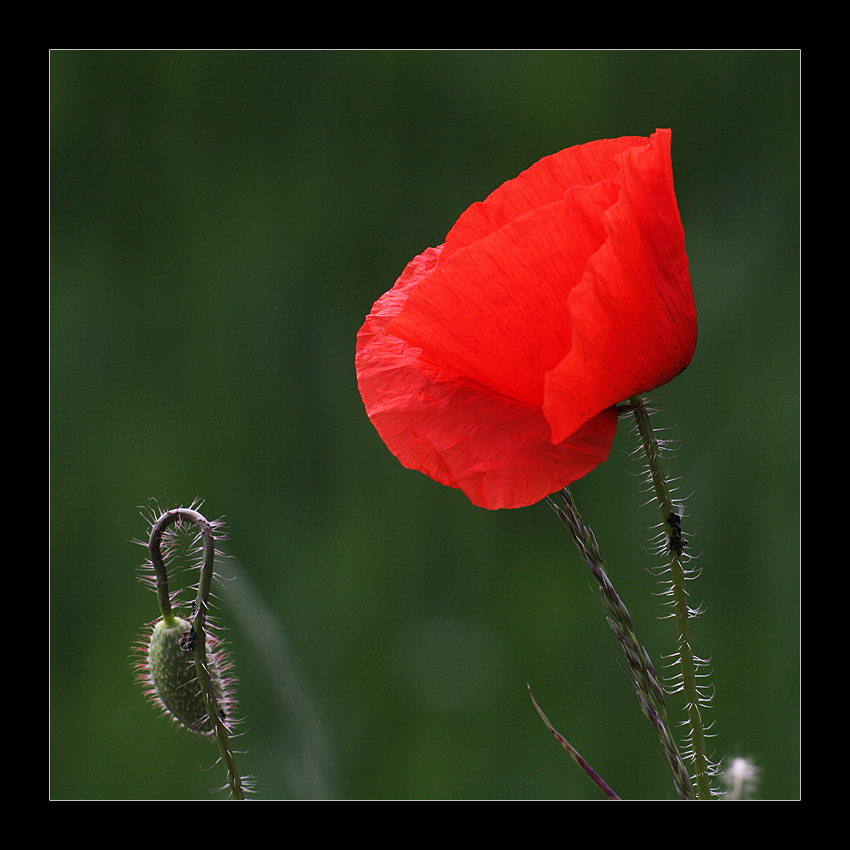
(221, 223)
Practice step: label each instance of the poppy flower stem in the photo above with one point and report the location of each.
(689, 665)
(207, 536)
(647, 687)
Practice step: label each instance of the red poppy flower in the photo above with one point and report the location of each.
(496, 362)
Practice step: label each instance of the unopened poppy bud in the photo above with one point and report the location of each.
(173, 678)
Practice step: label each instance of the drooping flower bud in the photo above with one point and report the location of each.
(184, 666)
(169, 671)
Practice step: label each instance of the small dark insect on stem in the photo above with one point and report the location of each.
(675, 542)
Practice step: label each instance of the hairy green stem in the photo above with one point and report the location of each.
(158, 562)
(675, 547)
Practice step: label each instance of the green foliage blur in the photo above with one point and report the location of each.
(221, 224)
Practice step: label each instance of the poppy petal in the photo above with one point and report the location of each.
(497, 310)
(498, 451)
(634, 318)
(543, 183)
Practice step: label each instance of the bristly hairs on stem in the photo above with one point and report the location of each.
(690, 669)
(185, 668)
(647, 687)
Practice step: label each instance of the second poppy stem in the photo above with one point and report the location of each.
(647, 687)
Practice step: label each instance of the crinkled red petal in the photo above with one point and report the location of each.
(633, 315)
(498, 451)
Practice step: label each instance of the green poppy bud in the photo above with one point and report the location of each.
(171, 674)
